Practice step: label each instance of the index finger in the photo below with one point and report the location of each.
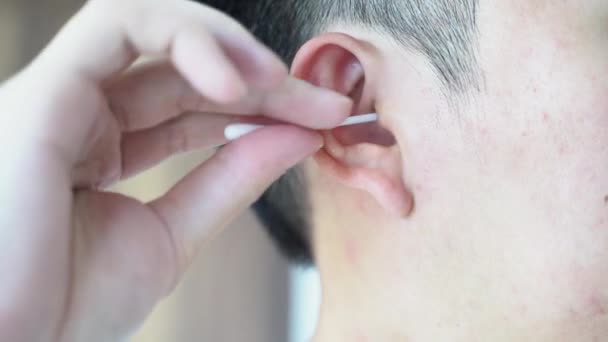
(152, 94)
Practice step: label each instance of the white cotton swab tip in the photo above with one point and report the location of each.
(235, 131)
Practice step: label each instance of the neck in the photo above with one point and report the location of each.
(361, 294)
(357, 286)
(359, 303)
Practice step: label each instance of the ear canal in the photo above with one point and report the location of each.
(371, 133)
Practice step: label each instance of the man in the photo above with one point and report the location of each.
(478, 210)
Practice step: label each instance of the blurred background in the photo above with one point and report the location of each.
(239, 289)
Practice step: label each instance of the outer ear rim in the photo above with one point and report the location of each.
(350, 75)
(311, 47)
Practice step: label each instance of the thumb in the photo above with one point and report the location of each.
(227, 184)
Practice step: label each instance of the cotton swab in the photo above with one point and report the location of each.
(235, 131)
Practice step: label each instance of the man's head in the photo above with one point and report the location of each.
(477, 209)
(444, 31)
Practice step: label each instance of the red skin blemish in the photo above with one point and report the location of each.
(564, 44)
(484, 131)
(546, 116)
(597, 307)
(361, 338)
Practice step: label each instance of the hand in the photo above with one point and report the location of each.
(80, 264)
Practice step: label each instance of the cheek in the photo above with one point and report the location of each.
(549, 140)
(547, 175)
(522, 199)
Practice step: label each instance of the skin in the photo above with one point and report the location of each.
(81, 264)
(508, 239)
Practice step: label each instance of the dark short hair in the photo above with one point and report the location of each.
(443, 31)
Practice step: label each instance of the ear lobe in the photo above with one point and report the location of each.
(372, 168)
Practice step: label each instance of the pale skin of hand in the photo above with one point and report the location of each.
(81, 264)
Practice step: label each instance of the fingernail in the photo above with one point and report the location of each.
(235, 131)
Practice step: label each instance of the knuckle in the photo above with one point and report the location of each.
(111, 9)
(228, 23)
(120, 113)
(188, 100)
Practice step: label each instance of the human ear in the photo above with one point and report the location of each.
(365, 157)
